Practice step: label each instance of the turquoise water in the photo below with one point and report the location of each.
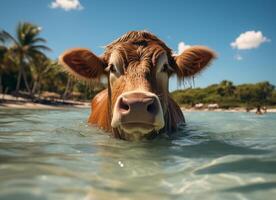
(55, 155)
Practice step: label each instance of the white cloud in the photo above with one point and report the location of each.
(249, 40)
(66, 5)
(238, 57)
(182, 47)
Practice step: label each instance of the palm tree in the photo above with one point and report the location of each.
(40, 66)
(3, 55)
(25, 45)
(68, 88)
(226, 88)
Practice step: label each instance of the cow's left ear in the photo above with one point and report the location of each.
(82, 63)
(193, 60)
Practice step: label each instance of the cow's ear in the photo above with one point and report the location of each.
(193, 60)
(82, 63)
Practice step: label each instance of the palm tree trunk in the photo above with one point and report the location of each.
(26, 81)
(34, 87)
(18, 81)
(1, 85)
(36, 83)
(38, 89)
(65, 94)
(22, 73)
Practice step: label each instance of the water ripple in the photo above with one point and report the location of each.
(56, 155)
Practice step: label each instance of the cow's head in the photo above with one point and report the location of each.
(138, 66)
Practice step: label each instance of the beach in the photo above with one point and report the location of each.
(12, 102)
(238, 109)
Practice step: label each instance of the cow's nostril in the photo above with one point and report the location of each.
(151, 108)
(124, 105)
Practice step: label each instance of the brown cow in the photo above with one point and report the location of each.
(138, 65)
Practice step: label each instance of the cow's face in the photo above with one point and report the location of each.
(138, 71)
(139, 74)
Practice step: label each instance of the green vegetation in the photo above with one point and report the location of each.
(26, 70)
(227, 95)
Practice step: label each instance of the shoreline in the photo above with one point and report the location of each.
(31, 105)
(12, 102)
(238, 109)
(85, 105)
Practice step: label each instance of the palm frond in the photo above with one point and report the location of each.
(33, 53)
(2, 39)
(20, 34)
(40, 47)
(36, 40)
(5, 36)
(3, 51)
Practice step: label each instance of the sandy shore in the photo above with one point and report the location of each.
(29, 105)
(269, 110)
(11, 102)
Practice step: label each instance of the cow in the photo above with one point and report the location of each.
(136, 103)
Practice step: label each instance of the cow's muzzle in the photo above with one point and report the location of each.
(138, 112)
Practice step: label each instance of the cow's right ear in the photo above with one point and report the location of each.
(82, 63)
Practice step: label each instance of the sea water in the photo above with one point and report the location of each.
(54, 154)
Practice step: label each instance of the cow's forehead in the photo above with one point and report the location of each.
(124, 53)
(136, 45)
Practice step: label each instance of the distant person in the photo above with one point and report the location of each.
(265, 109)
(258, 111)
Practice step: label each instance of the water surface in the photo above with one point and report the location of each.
(55, 155)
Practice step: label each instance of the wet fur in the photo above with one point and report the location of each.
(136, 53)
(100, 115)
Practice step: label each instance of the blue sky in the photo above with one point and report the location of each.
(214, 23)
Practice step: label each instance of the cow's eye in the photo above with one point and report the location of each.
(113, 69)
(166, 68)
